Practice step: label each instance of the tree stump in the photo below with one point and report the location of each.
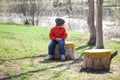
(97, 59)
(69, 49)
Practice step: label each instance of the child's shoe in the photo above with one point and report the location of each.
(50, 57)
(62, 57)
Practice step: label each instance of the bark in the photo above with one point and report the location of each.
(99, 32)
(97, 59)
(114, 54)
(69, 49)
(69, 6)
(55, 3)
(92, 30)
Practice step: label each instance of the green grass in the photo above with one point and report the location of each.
(111, 3)
(23, 49)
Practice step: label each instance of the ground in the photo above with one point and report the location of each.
(74, 66)
(23, 50)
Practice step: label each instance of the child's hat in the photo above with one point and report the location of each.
(59, 21)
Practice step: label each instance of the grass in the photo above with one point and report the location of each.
(111, 3)
(23, 49)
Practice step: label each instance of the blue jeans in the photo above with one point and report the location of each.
(52, 45)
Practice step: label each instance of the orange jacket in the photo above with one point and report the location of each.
(58, 32)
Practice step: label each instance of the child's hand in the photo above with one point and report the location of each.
(58, 39)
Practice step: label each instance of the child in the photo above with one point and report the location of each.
(57, 35)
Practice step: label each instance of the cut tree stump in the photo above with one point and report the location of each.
(97, 59)
(69, 49)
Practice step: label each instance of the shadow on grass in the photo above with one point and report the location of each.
(93, 71)
(27, 57)
(29, 72)
(67, 66)
(84, 47)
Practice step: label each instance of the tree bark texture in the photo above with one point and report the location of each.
(90, 21)
(97, 59)
(99, 32)
(70, 51)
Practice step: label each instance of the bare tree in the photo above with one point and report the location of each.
(99, 32)
(1, 5)
(90, 21)
(55, 3)
(117, 11)
(21, 7)
(4, 6)
(31, 10)
(69, 6)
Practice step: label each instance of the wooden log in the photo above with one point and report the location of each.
(97, 59)
(69, 49)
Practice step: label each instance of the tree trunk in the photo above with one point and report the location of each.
(55, 3)
(99, 32)
(92, 30)
(33, 20)
(69, 49)
(69, 6)
(97, 59)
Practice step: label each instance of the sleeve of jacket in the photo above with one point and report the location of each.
(51, 35)
(64, 35)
